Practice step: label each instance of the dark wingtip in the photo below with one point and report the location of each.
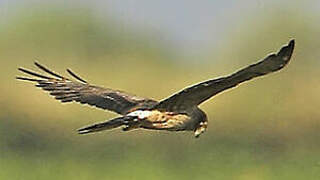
(76, 76)
(21, 69)
(291, 44)
(291, 47)
(33, 73)
(45, 69)
(87, 129)
(37, 64)
(84, 130)
(292, 41)
(19, 78)
(27, 79)
(286, 51)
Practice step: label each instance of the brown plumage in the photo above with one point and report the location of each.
(179, 112)
(66, 90)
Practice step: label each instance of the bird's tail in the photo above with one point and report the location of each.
(114, 123)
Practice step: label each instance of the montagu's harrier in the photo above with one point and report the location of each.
(179, 112)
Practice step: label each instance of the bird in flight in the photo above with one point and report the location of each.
(179, 112)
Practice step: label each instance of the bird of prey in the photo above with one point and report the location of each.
(179, 112)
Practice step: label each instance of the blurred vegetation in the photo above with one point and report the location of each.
(266, 129)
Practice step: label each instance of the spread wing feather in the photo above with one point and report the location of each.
(199, 93)
(67, 90)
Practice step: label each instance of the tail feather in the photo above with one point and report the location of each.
(111, 124)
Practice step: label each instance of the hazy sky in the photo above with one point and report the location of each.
(192, 26)
(195, 26)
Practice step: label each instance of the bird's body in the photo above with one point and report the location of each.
(172, 121)
(179, 112)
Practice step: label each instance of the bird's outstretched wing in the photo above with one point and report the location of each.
(199, 93)
(67, 90)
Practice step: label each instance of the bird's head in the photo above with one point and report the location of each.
(202, 123)
(201, 128)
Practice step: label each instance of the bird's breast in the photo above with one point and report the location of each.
(158, 116)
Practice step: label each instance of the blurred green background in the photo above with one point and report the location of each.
(265, 129)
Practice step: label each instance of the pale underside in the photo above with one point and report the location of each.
(161, 120)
